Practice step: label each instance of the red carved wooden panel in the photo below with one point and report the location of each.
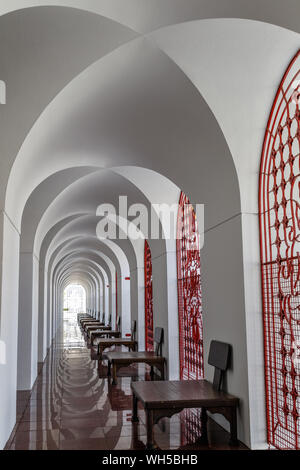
(148, 299)
(189, 293)
(279, 210)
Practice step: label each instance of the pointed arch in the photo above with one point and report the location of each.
(279, 214)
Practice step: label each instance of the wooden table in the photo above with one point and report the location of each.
(91, 323)
(90, 328)
(108, 342)
(166, 398)
(118, 359)
(100, 333)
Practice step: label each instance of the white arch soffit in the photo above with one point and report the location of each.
(60, 280)
(229, 73)
(67, 201)
(55, 113)
(70, 261)
(144, 16)
(70, 264)
(70, 228)
(158, 189)
(89, 245)
(80, 38)
(75, 248)
(65, 234)
(41, 198)
(57, 268)
(162, 38)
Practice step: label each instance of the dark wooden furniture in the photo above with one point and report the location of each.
(119, 359)
(82, 321)
(99, 332)
(166, 398)
(84, 317)
(103, 333)
(130, 342)
(95, 326)
(84, 324)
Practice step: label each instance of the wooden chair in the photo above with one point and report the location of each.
(165, 398)
(130, 342)
(119, 359)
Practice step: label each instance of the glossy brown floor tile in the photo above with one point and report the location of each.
(74, 406)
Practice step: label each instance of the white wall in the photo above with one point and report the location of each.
(8, 326)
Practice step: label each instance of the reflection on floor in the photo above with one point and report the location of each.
(73, 406)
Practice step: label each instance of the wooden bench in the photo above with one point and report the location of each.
(119, 359)
(130, 342)
(165, 398)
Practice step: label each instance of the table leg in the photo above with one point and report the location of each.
(203, 438)
(162, 372)
(109, 368)
(114, 381)
(135, 417)
(233, 427)
(152, 373)
(149, 425)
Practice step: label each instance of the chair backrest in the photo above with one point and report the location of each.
(158, 340)
(109, 319)
(118, 324)
(219, 354)
(133, 330)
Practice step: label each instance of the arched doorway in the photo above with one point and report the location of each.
(279, 211)
(74, 299)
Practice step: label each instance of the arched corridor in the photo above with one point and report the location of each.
(149, 192)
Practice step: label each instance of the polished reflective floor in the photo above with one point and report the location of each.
(74, 406)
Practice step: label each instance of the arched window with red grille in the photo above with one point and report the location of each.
(279, 212)
(148, 298)
(189, 292)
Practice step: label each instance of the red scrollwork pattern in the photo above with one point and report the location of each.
(148, 299)
(189, 292)
(279, 210)
(189, 311)
(116, 298)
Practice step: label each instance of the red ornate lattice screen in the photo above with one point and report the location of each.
(279, 209)
(148, 298)
(189, 293)
(116, 298)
